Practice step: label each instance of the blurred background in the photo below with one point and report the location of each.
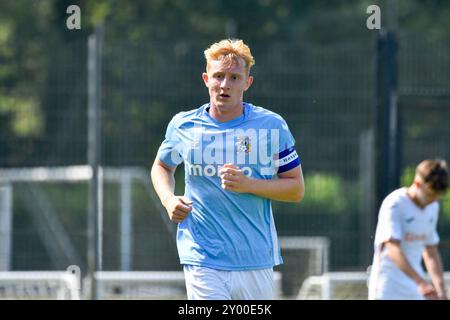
(365, 107)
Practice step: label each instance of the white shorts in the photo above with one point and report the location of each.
(392, 286)
(392, 291)
(204, 283)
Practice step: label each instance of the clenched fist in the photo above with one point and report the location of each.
(234, 179)
(178, 207)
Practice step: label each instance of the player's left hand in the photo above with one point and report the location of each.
(234, 179)
(428, 291)
(442, 296)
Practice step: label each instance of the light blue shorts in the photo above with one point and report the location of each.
(204, 283)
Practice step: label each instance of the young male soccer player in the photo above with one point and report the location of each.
(237, 158)
(406, 233)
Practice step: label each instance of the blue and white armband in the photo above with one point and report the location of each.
(287, 160)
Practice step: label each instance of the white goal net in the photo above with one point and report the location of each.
(37, 285)
(302, 257)
(140, 285)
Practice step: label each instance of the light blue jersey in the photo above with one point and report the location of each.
(228, 230)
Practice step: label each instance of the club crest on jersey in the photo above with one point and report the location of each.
(243, 144)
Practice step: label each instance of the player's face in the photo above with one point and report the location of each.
(426, 195)
(226, 84)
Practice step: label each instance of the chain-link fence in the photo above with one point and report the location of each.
(325, 92)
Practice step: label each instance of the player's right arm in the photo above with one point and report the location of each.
(178, 207)
(396, 254)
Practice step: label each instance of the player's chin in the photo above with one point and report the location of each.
(221, 105)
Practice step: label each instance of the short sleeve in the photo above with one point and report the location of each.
(170, 150)
(433, 236)
(286, 157)
(286, 140)
(389, 223)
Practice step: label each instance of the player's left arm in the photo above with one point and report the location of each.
(433, 263)
(289, 186)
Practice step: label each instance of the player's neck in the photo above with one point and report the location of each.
(411, 192)
(225, 115)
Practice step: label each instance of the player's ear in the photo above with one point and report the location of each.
(249, 82)
(205, 78)
(417, 183)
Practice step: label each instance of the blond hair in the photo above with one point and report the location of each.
(435, 173)
(229, 51)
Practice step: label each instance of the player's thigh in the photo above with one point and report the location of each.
(252, 285)
(206, 283)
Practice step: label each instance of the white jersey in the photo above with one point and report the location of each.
(401, 219)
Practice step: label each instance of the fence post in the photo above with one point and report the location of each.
(95, 213)
(367, 201)
(386, 117)
(126, 223)
(5, 226)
